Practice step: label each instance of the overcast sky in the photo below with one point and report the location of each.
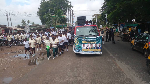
(27, 9)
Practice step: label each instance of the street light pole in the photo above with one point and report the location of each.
(106, 19)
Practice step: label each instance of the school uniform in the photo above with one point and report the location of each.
(54, 46)
(60, 41)
(27, 47)
(44, 38)
(69, 36)
(16, 39)
(1, 37)
(65, 40)
(38, 40)
(47, 43)
(20, 38)
(32, 43)
(9, 38)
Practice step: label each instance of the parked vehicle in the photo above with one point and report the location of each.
(141, 43)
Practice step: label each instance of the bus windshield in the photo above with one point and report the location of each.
(86, 30)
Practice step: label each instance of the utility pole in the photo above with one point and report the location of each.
(96, 19)
(72, 18)
(106, 18)
(68, 18)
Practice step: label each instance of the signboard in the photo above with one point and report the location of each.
(88, 44)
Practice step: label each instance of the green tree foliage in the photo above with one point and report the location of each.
(51, 11)
(28, 21)
(33, 23)
(126, 10)
(23, 22)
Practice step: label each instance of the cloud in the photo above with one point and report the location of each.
(27, 9)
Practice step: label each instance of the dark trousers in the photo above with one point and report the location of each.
(55, 51)
(48, 52)
(109, 37)
(107, 40)
(113, 41)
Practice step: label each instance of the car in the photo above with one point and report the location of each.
(141, 43)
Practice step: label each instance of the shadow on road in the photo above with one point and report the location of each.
(87, 55)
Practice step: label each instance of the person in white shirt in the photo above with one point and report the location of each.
(61, 41)
(16, 39)
(66, 41)
(20, 38)
(38, 42)
(13, 38)
(54, 45)
(54, 32)
(47, 44)
(69, 36)
(26, 45)
(43, 39)
(1, 39)
(32, 44)
(9, 38)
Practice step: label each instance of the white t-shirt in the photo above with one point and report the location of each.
(60, 40)
(63, 35)
(46, 33)
(16, 37)
(38, 40)
(26, 44)
(9, 38)
(44, 38)
(69, 35)
(54, 32)
(47, 43)
(65, 39)
(50, 38)
(20, 38)
(54, 42)
(32, 43)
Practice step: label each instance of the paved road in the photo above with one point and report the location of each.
(118, 65)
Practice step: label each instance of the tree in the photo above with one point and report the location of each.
(51, 11)
(23, 22)
(32, 23)
(18, 26)
(126, 10)
(28, 22)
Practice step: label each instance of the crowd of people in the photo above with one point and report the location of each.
(55, 41)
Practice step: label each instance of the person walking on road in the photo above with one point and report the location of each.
(9, 38)
(32, 44)
(54, 45)
(26, 45)
(107, 32)
(61, 41)
(47, 44)
(102, 34)
(38, 42)
(113, 41)
(110, 35)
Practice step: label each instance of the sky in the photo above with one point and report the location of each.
(27, 10)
